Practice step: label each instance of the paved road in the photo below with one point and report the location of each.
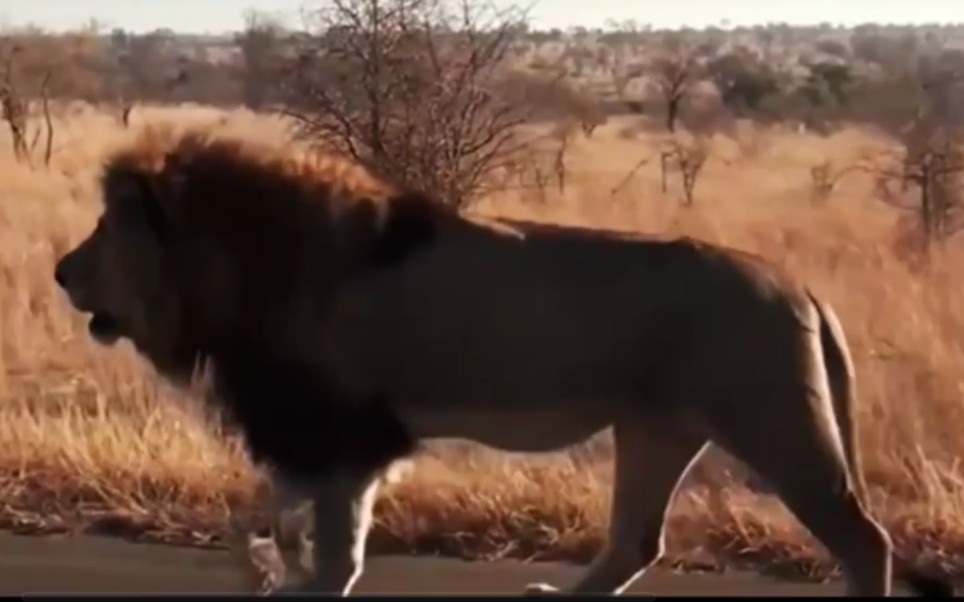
(103, 565)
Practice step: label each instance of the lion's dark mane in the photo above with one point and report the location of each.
(289, 419)
(287, 222)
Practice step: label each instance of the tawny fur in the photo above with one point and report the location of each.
(348, 318)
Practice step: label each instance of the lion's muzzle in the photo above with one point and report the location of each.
(69, 277)
(104, 327)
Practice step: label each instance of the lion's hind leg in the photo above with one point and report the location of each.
(791, 440)
(651, 459)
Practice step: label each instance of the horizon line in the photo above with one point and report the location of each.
(612, 25)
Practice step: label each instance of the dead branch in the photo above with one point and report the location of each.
(125, 113)
(630, 174)
(45, 104)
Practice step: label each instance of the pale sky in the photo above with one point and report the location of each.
(217, 16)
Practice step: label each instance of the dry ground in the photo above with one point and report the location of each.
(89, 438)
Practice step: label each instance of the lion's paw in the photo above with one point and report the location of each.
(290, 589)
(267, 581)
(266, 568)
(541, 589)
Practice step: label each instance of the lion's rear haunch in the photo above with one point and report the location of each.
(840, 377)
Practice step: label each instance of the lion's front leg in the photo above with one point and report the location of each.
(266, 568)
(342, 511)
(270, 546)
(270, 554)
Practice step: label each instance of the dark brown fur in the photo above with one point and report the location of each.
(217, 250)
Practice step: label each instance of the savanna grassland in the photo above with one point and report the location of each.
(90, 439)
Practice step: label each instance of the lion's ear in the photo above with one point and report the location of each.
(385, 234)
(134, 197)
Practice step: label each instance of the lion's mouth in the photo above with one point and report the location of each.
(105, 328)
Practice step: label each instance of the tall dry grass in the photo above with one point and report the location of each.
(89, 439)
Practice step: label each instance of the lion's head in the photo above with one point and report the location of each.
(205, 243)
(122, 276)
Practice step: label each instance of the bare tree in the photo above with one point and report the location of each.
(15, 97)
(413, 90)
(261, 45)
(929, 160)
(674, 70)
(12, 102)
(140, 70)
(48, 122)
(932, 171)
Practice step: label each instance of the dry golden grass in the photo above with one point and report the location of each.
(89, 438)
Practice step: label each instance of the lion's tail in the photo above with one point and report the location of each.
(840, 376)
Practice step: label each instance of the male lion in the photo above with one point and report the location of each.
(347, 318)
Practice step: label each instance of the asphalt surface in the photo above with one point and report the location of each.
(30, 564)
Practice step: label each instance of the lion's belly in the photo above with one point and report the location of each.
(506, 428)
